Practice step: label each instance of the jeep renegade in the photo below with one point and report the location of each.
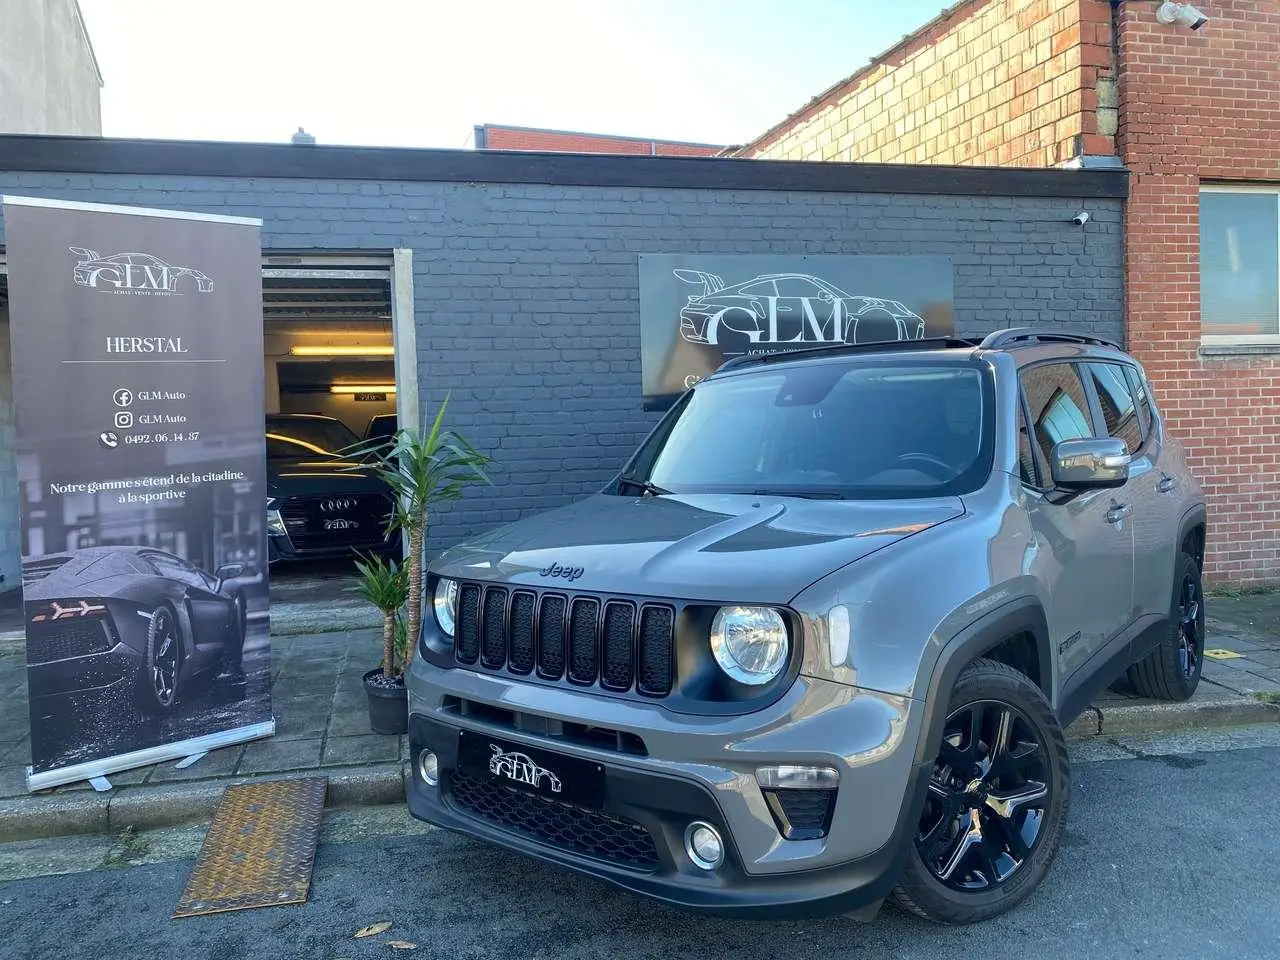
(815, 646)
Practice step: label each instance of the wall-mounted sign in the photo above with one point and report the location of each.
(370, 398)
(138, 385)
(697, 311)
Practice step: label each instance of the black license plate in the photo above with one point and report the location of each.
(549, 775)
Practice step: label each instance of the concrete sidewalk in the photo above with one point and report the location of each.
(322, 725)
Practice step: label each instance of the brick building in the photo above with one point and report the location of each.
(513, 282)
(1194, 115)
(488, 136)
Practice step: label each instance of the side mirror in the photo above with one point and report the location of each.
(228, 571)
(1090, 464)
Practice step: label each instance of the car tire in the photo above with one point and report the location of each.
(233, 656)
(158, 692)
(1172, 670)
(1014, 775)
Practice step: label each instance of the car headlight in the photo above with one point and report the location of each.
(445, 602)
(750, 643)
(275, 523)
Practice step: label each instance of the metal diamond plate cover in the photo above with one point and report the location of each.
(260, 848)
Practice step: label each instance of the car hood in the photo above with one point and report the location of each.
(717, 548)
(291, 478)
(80, 577)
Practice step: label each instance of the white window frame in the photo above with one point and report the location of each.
(1237, 339)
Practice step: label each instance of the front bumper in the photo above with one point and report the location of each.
(694, 770)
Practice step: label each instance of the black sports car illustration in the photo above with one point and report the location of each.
(133, 618)
(322, 502)
(789, 308)
(133, 269)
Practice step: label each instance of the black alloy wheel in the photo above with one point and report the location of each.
(987, 797)
(1190, 626)
(159, 687)
(995, 806)
(1172, 670)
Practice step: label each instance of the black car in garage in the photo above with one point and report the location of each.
(134, 618)
(323, 501)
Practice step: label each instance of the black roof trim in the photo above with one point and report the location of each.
(193, 158)
(840, 349)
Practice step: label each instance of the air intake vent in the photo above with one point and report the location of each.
(520, 631)
(468, 639)
(583, 656)
(493, 652)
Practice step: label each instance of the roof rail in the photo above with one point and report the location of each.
(1015, 335)
(836, 349)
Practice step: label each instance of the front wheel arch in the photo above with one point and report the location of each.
(1023, 616)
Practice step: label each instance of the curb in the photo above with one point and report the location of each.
(1127, 719)
(171, 805)
(152, 807)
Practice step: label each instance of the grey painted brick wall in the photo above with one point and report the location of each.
(526, 297)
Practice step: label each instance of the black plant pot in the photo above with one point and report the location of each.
(388, 703)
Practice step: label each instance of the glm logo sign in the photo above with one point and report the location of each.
(140, 274)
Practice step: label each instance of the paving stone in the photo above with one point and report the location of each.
(13, 781)
(270, 756)
(1267, 658)
(350, 724)
(369, 748)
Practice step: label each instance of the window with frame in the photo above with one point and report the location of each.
(1059, 406)
(1239, 263)
(1119, 411)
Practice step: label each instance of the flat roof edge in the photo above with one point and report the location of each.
(196, 158)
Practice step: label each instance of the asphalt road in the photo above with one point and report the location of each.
(1172, 852)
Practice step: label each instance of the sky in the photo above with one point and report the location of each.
(423, 73)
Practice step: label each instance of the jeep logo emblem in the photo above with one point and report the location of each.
(567, 573)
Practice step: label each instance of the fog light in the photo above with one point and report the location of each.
(703, 845)
(429, 768)
(796, 777)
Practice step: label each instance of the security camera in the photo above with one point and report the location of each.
(1183, 14)
(1081, 218)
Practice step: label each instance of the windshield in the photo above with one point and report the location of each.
(854, 428)
(308, 437)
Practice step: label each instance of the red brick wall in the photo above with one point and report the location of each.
(1201, 105)
(992, 82)
(516, 138)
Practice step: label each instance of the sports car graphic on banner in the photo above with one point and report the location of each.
(143, 620)
(696, 312)
(790, 308)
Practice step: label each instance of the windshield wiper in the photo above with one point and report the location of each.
(801, 493)
(652, 489)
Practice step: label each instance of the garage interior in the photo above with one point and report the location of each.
(327, 336)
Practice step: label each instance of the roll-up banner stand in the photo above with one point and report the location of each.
(137, 347)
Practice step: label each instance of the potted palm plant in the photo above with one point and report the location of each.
(422, 470)
(385, 584)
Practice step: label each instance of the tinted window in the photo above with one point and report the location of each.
(1059, 409)
(853, 428)
(1139, 387)
(307, 436)
(1119, 412)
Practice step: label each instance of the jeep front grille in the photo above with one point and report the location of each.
(617, 645)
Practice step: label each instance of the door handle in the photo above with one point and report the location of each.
(1118, 512)
(1166, 484)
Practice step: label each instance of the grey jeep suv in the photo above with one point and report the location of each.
(816, 645)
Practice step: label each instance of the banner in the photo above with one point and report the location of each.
(137, 348)
(698, 311)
